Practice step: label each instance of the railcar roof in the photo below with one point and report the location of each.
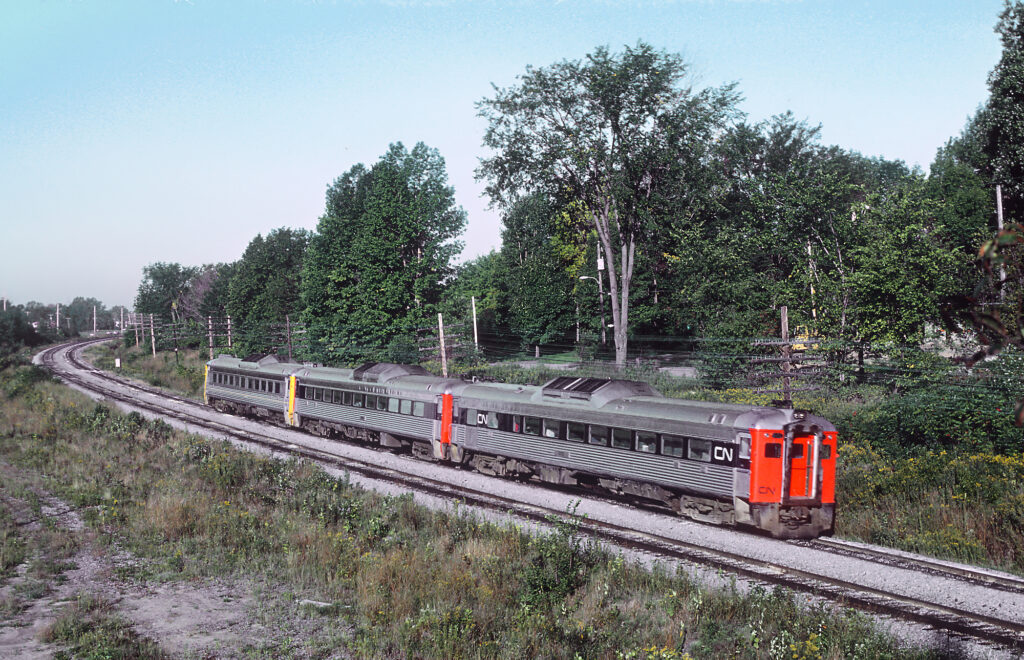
(268, 365)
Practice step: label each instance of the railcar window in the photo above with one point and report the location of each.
(599, 435)
(382, 403)
(647, 442)
(622, 439)
(826, 452)
(357, 400)
(550, 428)
(531, 425)
(418, 409)
(672, 445)
(492, 420)
(517, 423)
(576, 432)
(393, 405)
(318, 394)
(346, 398)
(744, 446)
(405, 407)
(798, 451)
(277, 388)
(773, 450)
(470, 416)
(700, 450)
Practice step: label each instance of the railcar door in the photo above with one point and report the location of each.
(804, 466)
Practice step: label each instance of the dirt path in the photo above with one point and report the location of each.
(64, 562)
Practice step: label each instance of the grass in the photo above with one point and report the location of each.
(401, 580)
(89, 629)
(182, 373)
(951, 500)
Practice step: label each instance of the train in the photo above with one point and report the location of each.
(761, 468)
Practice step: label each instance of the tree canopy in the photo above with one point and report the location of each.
(265, 287)
(381, 253)
(624, 135)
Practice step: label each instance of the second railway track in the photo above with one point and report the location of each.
(988, 606)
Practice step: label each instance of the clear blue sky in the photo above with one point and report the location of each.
(134, 132)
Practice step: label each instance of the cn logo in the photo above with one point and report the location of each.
(766, 490)
(723, 454)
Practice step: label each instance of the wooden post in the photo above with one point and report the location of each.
(999, 228)
(786, 353)
(152, 334)
(444, 354)
(209, 333)
(476, 339)
(288, 332)
(174, 336)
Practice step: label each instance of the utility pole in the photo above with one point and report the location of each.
(121, 326)
(58, 317)
(135, 322)
(787, 350)
(152, 334)
(209, 330)
(229, 332)
(444, 355)
(999, 228)
(476, 341)
(94, 319)
(288, 331)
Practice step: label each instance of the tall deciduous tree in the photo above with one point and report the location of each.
(265, 287)
(161, 288)
(540, 288)
(381, 252)
(624, 135)
(1004, 113)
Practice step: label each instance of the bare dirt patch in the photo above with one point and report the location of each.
(64, 562)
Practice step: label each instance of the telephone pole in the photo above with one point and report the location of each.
(999, 228)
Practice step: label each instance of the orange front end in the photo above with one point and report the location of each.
(792, 480)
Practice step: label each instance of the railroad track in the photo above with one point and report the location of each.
(995, 632)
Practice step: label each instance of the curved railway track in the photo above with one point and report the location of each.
(999, 627)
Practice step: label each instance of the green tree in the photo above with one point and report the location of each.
(16, 331)
(540, 301)
(903, 266)
(622, 135)
(161, 289)
(381, 253)
(485, 279)
(208, 292)
(265, 288)
(1004, 112)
